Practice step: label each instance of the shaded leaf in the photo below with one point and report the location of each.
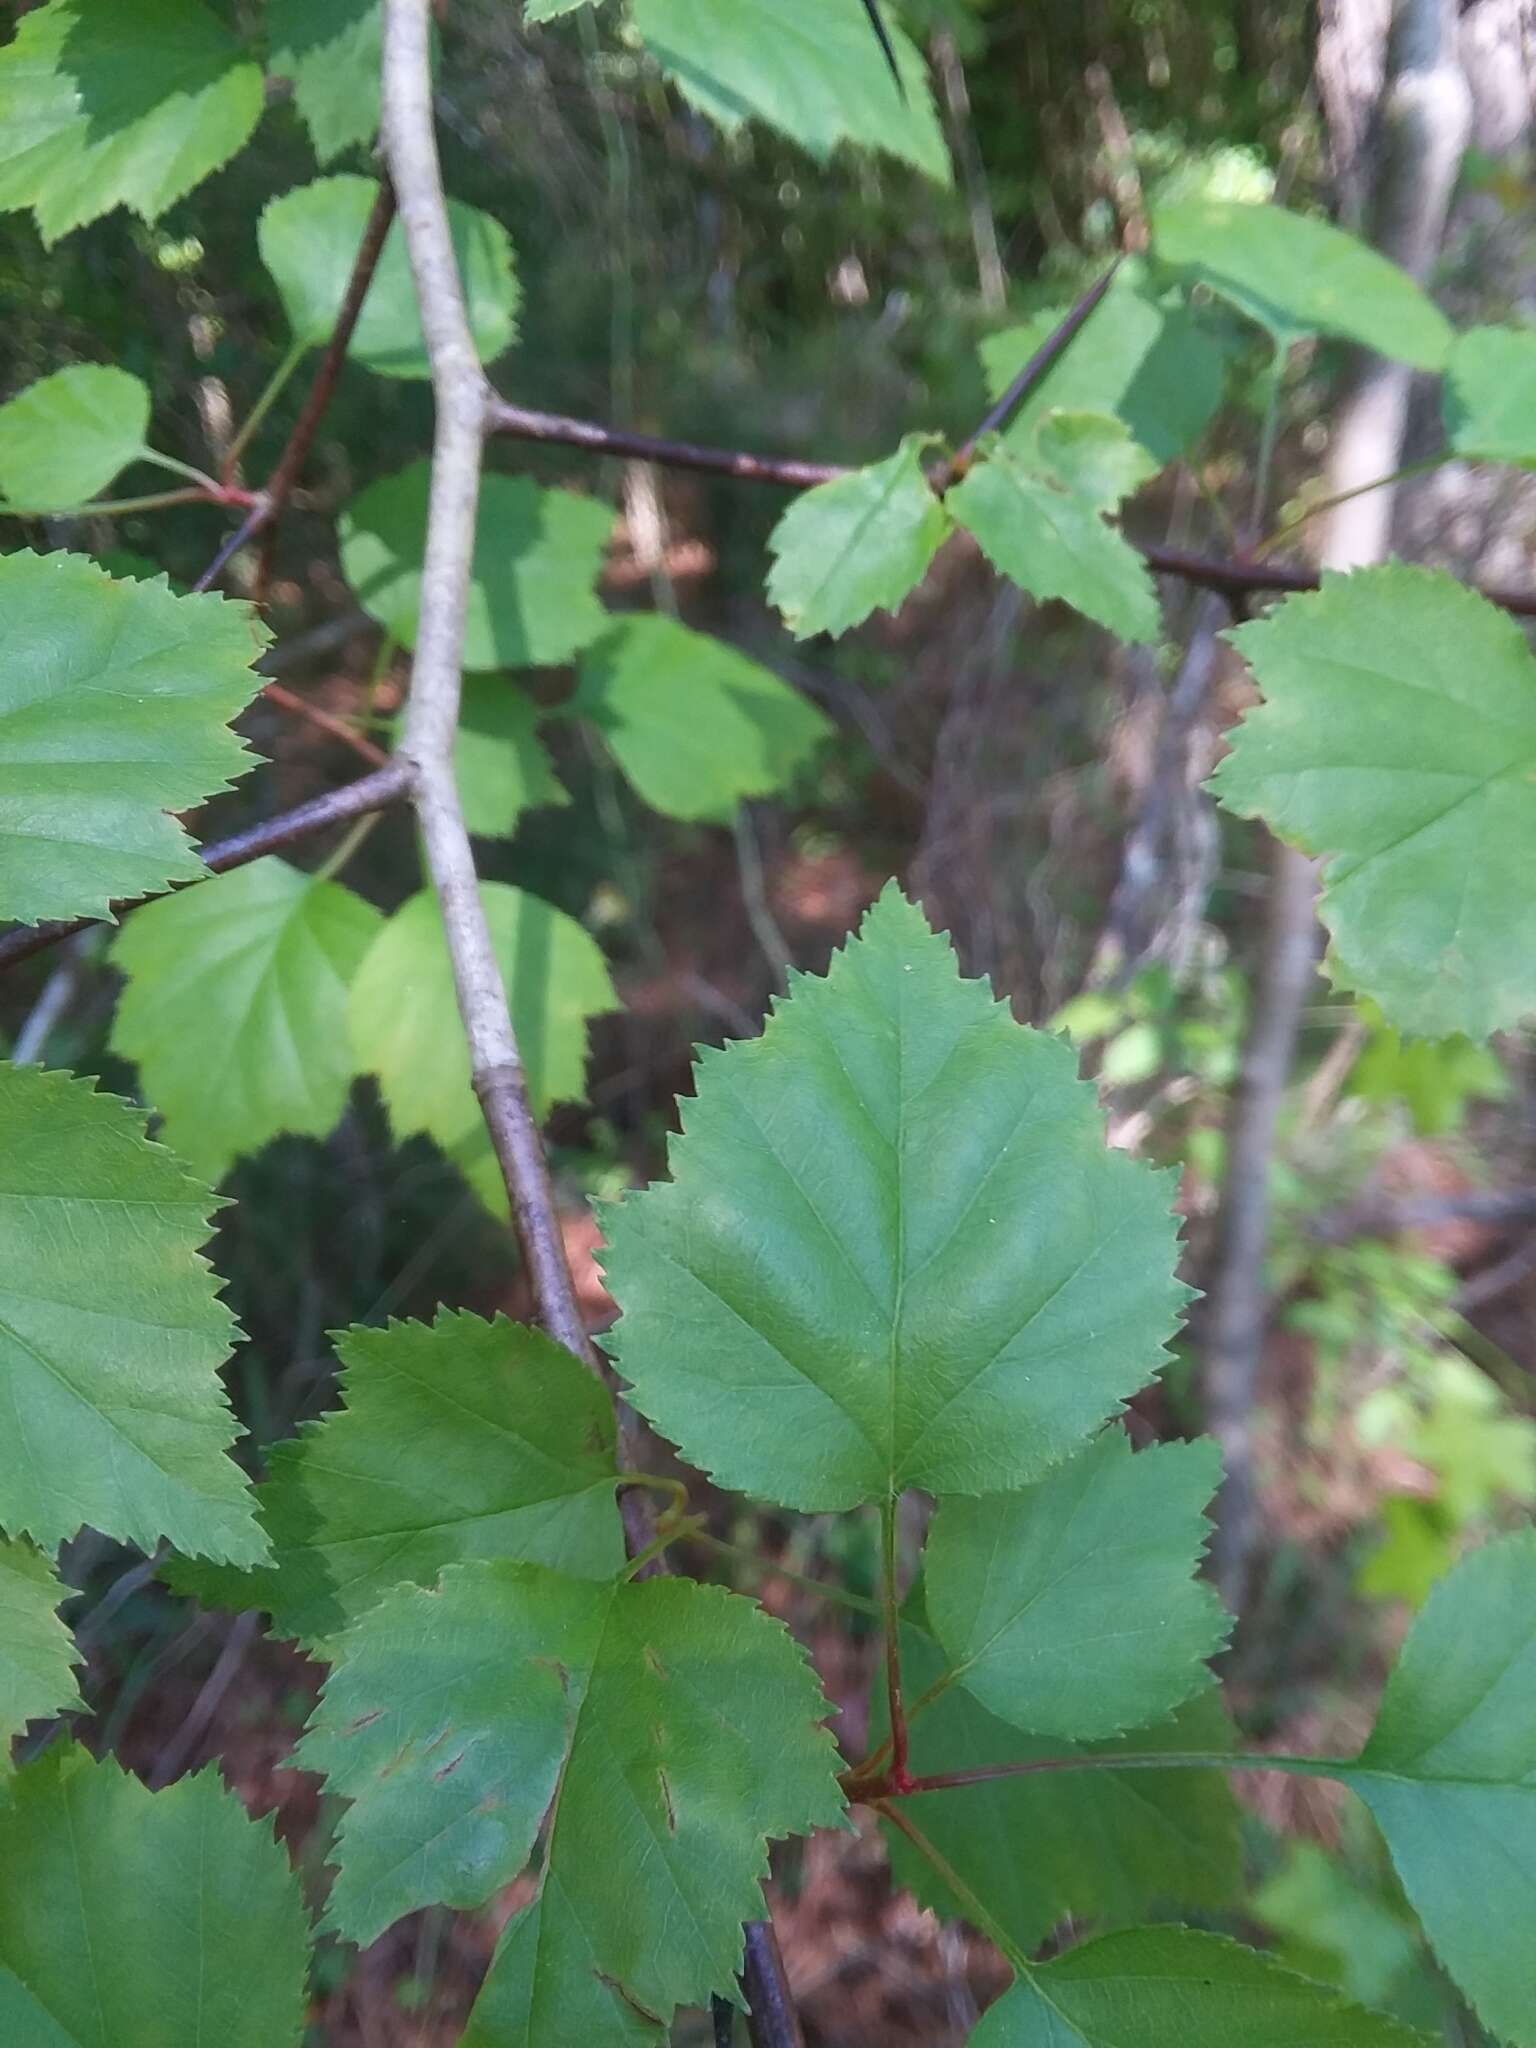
(103, 105)
(1490, 394)
(405, 1021)
(1071, 1608)
(236, 1007)
(856, 545)
(694, 724)
(456, 1715)
(1151, 1987)
(1449, 1774)
(64, 438)
(537, 557)
(1397, 737)
(1102, 1846)
(138, 1919)
(1054, 543)
(1145, 356)
(115, 699)
(309, 239)
(111, 1332)
(1297, 276)
(459, 1441)
(37, 1652)
(809, 68)
(894, 1250)
(501, 764)
(333, 51)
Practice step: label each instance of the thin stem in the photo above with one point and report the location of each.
(324, 721)
(890, 1600)
(673, 1533)
(674, 1489)
(242, 536)
(964, 1897)
(113, 508)
(874, 1788)
(272, 391)
(1377, 483)
(771, 1568)
(173, 467)
(335, 861)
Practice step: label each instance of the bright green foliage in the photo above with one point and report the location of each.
(64, 438)
(809, 68)
(236, 1008)
(1335, 1927)
(894, 1250)
(1296, 276)
(858, 544)
(499, 761)
(1436, 1077)
(1146, 357)
(1450, 1775)
(114, 707)
(331, 49)
(1153, 1987)
(309, 239)
(37, 1652)
(695, 1740)
(694, 724)
(537, 555)
(1071, 1608)
(138, 1919)
(455, 1714)
(1489, 397)
(105, 105)
(405, 1021)
(460, 1440)
(1398, 737)
(1106, 1846)
(550, 10)
(1093, 455)
(111, 1332)
(1050, 537)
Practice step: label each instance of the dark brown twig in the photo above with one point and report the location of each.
(376, 792)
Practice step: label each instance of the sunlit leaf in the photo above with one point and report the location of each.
(894, 1250)
(333, 52)
(1489, 396)
(64, 438)
(115, 702)
(694, 724)
(111, 1332)
(138, 1919)
(105, 105)
(859, 544)
(537, 557)
(236, 1007)
(1397, 737)
(499, 760)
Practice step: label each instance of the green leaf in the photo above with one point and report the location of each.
(115, 700)
(1297, 276)
(694, 724)
(1398, 738)
(809, 68)
(1152, 1987)
(64, 438)
(556, 979)
(1092, 455)
(103, 105)
(309, 239)
(894, 1250)
(1449, 1774)
(1054, 543)
(460, 1440)
(1071, 1608)
(1438, 1078)
(690, 1690)
(858, 544)
(1490, 393)
(1335, 1926)
(138, 1919)
(537, 556)
(111, 1332)
(1102, 1846)
(1142, 355)
(236, 1007)
(333, 52)
(550, 10)
(456, 1715)
(37, 1652)
(500, 762)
